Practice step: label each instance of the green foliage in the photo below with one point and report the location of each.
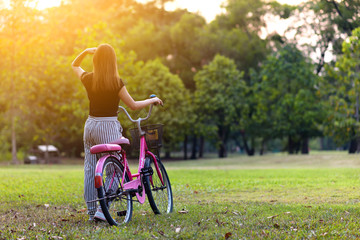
(236, 34)
(282, 10)
(188, 52)
(287, 98)
(45, 103)
(155, 78)
(219, 99)
(341, 89)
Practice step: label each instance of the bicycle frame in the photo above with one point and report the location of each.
(135, 180)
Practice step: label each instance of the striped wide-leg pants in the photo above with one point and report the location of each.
(97, 130)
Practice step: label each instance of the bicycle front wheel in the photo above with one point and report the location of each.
(158, 192)
(116, 206)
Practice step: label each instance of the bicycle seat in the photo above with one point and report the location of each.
(120, 141)
(100, 148)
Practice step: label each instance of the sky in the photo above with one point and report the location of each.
(207, 8)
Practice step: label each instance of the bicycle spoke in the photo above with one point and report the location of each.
(159, 194)
(117, 205)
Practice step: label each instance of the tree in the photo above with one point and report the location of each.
(155, 78)
(288, 101)
(327, 23)
(341, 88)
(219, 98)
(236, 35)
(17, 38)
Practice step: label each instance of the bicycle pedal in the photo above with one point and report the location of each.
(121, 213)
(147, 171)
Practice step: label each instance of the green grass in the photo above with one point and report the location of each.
(275, 196)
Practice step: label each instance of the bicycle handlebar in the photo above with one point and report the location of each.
(138, 121)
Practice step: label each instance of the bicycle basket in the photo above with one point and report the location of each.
(153, 136)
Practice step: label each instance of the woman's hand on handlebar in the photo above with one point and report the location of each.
(157, 101)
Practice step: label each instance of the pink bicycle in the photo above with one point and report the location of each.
(116, 185)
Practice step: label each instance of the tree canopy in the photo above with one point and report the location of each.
(223, 82)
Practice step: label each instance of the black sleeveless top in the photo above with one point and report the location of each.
(102, 103)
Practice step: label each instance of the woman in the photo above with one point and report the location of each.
(104, 89)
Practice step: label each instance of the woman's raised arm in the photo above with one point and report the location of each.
(77, 61)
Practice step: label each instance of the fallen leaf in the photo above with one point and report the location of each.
(161, 233)
(46, 205)
(183, 211)
(276, 225)
(287, 212)
(227, 235)
(273, 200)
(196, 192)
(64, 220)
(218, 223)
(236, 213)
(272, 217)
(82, 210)
(177, 230)
(308, 206)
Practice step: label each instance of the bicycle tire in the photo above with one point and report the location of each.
(159, 195)
(116, 208)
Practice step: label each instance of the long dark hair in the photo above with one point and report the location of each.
(106, 76)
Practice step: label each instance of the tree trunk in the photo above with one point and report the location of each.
(353, 142)
(185, 147)
(15, 160)
(358, 144)
(305, 145)
(263, 146)
(222, 150)
(167, 155)
(250, 152)
(194, 148)
(46, 154)
(201, 147)
(291, 146)
(353, 146)
(12, 97)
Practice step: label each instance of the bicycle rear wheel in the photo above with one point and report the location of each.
(116, 207)
(159, 193)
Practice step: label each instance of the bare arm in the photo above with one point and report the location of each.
(77, 61)
(131, 103)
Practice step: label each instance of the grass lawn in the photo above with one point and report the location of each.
(274, 196)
